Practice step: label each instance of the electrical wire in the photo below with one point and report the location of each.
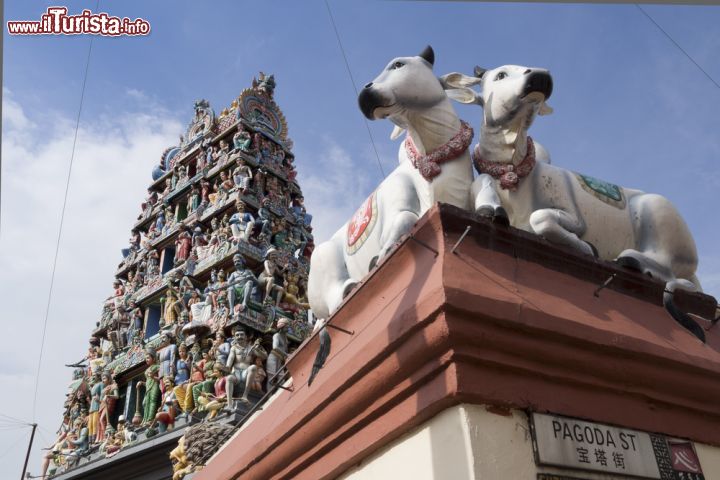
(347, 66)
(8, 418)
(60, 229)
(678, 46)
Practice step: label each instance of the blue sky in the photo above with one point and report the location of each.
(629, 108)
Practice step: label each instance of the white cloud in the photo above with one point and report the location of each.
(135, 93)
(13, 116)
(333, 184)
(110, 174)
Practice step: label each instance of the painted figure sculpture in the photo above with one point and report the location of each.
(638, 230)
(434, 166)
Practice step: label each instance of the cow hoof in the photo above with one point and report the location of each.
(486, 211)
(631, 263)
(683, 318)
(348, 288)
(373, 262)
(500, 217)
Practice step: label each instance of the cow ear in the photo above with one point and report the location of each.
(458, 80)
(463, 95)
(428, 55)
(397, 131)
(545, 109)
(479, 71)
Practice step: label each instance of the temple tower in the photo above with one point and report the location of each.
(207, 302)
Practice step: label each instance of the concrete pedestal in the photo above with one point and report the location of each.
(451, 350)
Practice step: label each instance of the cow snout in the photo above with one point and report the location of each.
(538, 82)
(370, 99)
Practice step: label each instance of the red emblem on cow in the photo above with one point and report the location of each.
(361, 224)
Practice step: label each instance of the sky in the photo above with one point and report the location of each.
(630, 108)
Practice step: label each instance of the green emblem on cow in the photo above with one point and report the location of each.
(605, 191)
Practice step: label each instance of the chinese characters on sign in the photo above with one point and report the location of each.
(570, 443)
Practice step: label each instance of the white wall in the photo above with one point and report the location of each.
(467, 442)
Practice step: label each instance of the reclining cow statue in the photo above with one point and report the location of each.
(434, 166)
(640, 231)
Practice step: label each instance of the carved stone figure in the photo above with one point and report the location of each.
(56, 447)
(265, 84)
(242, 222)
(193, 199)
(109, 397)
(267, 277)
(167, 356)
(197, 444)
(79, 442)
(165, 417)
(213, 395)
(151, 397)
(182, 374)
(279, 351)
(264, 220)
(222, 155)
(242, 140)
(241, 176)
(137, 320)
(209, 155)
(171, 310)
(240, 284)
(292, 290)
(205, 189)
(434, 167)
(96, 392)
(220, 349)
(183, 245)
(243, 371)
(168, 188)
(184, 392)
(202, 122)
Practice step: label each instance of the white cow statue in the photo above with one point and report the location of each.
(641, 231)
(434, 166)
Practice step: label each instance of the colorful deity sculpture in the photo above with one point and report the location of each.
(165, 417)
(267, 277)
(193, 199)
(151, 398)
(197, 444)
(171, 310)
(96, 392)
(240, 284)
(221, 156)
(77, 442)
(242, 174)
(242, 140)
(206, 381)
(242, 222)
(108, 401)
(182, 373)
(243, 370)
(183, 245)
(196, 366)
(278, 354)
(166, 355)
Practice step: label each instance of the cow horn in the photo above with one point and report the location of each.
(428, 55)
(479, 71)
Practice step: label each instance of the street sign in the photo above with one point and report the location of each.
(577, 444)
